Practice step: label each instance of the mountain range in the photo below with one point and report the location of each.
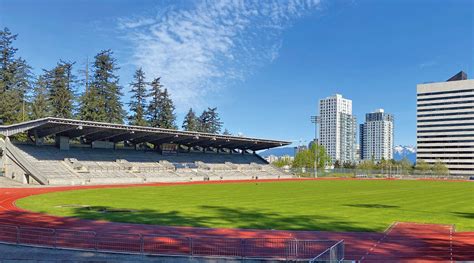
(399, 152)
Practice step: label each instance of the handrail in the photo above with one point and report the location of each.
(21, 161)
(328, 250)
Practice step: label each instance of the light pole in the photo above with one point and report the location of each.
(315, 120)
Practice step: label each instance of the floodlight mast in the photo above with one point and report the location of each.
(315, 120)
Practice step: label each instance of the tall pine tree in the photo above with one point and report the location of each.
(60, 82)
(161, 108)
(101, 102)
(166, 118)
(153, 109)
(7, 59)
(40, 105)
(209, 121)
(138, 99)
(190, 122)
(226, 132)
(15, 81)
(91, 106)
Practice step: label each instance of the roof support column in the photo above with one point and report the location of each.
(62, 142)
(38, 140)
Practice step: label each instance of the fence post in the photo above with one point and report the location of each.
(242, 248)
(142, 244)
(296, 249)
(55, 238)
(17, 235)
(96, 241)
(191, 248)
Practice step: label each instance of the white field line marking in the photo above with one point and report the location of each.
(387, 232)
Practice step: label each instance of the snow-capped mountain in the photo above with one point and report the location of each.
(400, 151)
(279, 152)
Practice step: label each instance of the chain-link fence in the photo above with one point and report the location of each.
(391, 172)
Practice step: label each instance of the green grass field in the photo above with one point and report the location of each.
(338, 205)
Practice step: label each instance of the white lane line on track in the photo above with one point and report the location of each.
(386, 233)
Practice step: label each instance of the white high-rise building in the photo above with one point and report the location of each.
(445, 123)
(337, 131)
(376, 136)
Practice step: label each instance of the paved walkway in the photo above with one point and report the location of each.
(402, 242)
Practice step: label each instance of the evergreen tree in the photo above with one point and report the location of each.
(209, 121)
(22, 89)
(161, 108)
(39, 107)
(226, 132)
(106, 105)
(60, 82)
(138, 99)
(7, 59)
(92, 107)
(190, 122)
(153, 110)
(15, 81)
(166, 117)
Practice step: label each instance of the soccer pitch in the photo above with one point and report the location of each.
(332, 205)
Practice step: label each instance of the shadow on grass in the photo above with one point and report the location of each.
(372, 206)
(464, 214)
(219, 216)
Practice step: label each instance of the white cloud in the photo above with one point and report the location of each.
(199, 49)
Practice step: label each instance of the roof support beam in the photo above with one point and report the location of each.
(163, 140)
(198, 142)
(130, 135)
(79, 131)
(146, 138)
(54, 130)
(107, 135)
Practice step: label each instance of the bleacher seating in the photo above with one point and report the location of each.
(80, 165)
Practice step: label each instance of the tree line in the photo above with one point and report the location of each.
(421, 167)
(53, 93)
(306, 159)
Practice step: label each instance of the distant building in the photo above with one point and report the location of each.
(376, 136)
(357, 155)
(271, 158)
(337, 131)
(300, 148)
(312, 142)
(445, 123)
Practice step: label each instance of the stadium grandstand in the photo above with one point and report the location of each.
(74, 152)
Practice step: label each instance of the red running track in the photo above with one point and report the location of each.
(410, 242)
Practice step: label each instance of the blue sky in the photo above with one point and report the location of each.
(264, 64)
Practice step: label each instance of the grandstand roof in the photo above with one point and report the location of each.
(95, 131)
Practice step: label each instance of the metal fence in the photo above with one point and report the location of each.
(205, 246)
(333, 254)
(393, 172)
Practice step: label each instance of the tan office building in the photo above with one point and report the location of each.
(445, 123)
